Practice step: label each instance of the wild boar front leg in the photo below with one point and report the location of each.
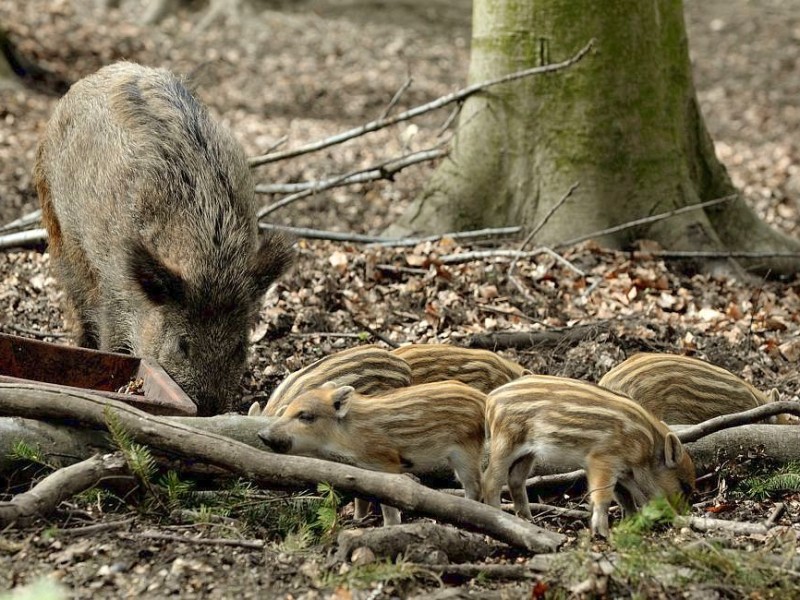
(466, 463)
(517, 476)
(391, 515)
(361, 508)
(496, 473)
(601, 477)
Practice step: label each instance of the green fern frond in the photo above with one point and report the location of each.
(21, 450)
(119, 435)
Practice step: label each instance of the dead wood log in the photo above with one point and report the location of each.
(525, 340)
(711, 524)
(414, 541)
(696, 432)
(46, 495)
(273, 470)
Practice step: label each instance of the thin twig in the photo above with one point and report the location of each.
(464, 257)
(386, 170)
(396, 98)
(714, 254)
(24, 221)
(325, 334)
(277, 144)
(517, 283)
(777, 513)
(92, 529)
(36, 333)
(406, 270)
(645, 220)
(449, 120)
(320, 234)
(23, 239)
(377, 334)
(167, 537)
(419, 110)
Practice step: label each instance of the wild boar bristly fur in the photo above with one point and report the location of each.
(414, 429)
(481, 369)
(370, 370)
(149, 206)
(627, 453)
(684, 390)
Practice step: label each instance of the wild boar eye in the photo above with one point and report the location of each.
(306, 417)
(183, 346)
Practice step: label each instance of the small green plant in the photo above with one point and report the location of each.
(174, 488)
(21, 450)
(138, 457)
(655, 514)
(760, 487)
(328, 511)
(363, 576)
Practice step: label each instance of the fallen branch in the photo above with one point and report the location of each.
(696, 432)
(91, 529)
(645, 220)
(457, 96)
(24, 221)
(710, 524)
(36, 333)
(32, 238)
(46, 495)
(551, 338)
(540, 510)
(181, 539)
(320, 234)
(414, 541)
(465, 257)
(385, 170)
(712, 254)
(274, 470)
(396, 98)
(775, 514)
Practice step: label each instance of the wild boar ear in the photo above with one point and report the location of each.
(673, 450)
(159, 283)
(773, 395)
(274, 257)
(329, 385)
(341, 400)
(255, 410)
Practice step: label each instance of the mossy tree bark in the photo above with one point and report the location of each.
(624, 123)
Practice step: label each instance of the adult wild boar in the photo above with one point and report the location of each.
(149, 207)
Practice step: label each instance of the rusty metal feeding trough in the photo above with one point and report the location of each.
(61, 367)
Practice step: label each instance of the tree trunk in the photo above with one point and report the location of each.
(624, 123)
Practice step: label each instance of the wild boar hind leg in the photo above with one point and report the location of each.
(517, 476)
(501, 458)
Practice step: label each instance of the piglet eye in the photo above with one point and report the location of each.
(306, 417)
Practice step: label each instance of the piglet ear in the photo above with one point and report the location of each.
(158, 282)
(673, 450)
(773, 395)
(255, 410)
(274, 257)
(340, 400)
(329, 385)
